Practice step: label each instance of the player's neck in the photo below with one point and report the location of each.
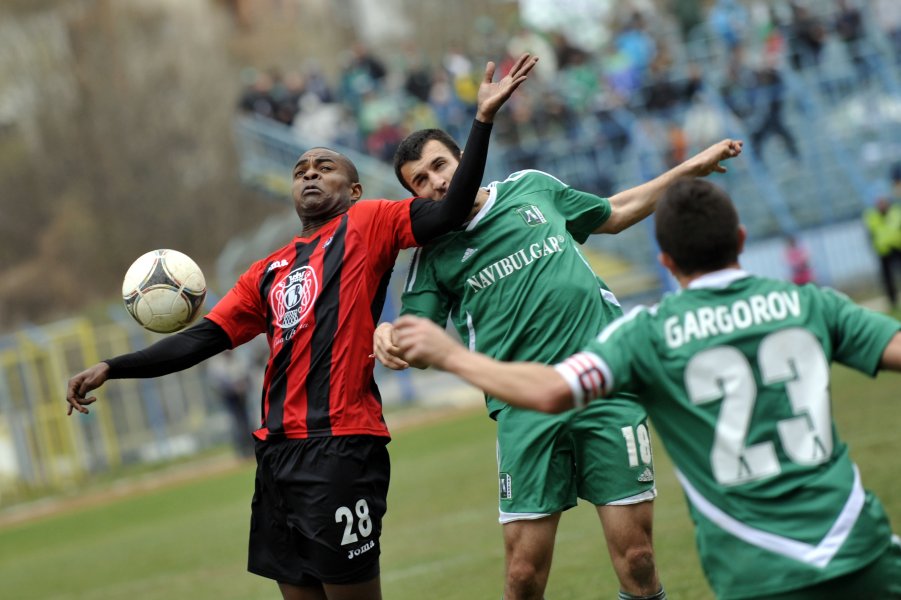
(685, 280)
(312, 224)
(481, 198)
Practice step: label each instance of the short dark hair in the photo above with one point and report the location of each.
(697, 226)
(410, 149)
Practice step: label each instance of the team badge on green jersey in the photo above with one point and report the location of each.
(531, 215)
(506, 483)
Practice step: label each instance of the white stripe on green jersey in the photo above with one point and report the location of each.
(514, 281)
(734, 373)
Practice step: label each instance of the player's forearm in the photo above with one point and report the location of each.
(633, 205)
(891, 356)
(461, 193)
(432, 220)
(173, 353)
(526, 385)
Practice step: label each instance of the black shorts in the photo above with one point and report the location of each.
(317, 509)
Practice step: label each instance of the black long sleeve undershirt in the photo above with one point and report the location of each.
(173, 353)
(432, 219)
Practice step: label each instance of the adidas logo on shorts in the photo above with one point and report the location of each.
(646, 476)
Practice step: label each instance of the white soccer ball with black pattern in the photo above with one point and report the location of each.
(164, 290)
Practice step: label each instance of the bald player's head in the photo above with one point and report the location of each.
(325, 183)
(350, 168)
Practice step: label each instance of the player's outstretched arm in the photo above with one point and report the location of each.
(81, 384)
(631, 206)
(172, 353)
(522, 384)
(385, 348)
(891, 356)
(492, 95)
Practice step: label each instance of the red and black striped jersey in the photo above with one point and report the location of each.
(317, 300)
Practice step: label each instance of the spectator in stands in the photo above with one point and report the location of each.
(443, 100)
(257, 97)
(565, 53)
(362, 74)
(798, 260)
(666, 98)
(849, 25)
(806, 37)
(637, 44)
(883, 223)
(326, 122)
(417, 75)
(315, 83)
(664, 95)
(555, 119)
(757, 98)
(728, 20)
(286, 97)
(456, 63)
(579, 80)
(382, 142)
(526, 40)
(689, 14)
(767, 119)
(738, 84)
(887, 15)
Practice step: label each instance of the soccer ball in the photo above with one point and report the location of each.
(164, 290)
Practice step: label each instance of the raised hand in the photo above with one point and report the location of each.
(708, 161)
(84, 382)
(492, 95)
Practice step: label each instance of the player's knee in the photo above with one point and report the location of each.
(638, 562)
(526, 578)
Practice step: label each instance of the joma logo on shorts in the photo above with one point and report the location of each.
(358, 551)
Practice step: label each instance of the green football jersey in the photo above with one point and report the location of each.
(734, 373)
(514, 281)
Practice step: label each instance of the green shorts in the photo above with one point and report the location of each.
(880, 579)
(601, 454)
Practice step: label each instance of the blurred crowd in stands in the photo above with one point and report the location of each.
(653, 65)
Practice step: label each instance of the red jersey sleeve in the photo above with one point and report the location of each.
(390, 224)
(240, 312)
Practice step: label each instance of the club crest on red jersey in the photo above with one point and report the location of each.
(292, 297)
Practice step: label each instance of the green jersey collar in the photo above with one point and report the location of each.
(718, 279)
(489, 202)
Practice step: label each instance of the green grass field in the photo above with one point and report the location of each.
(441, 539)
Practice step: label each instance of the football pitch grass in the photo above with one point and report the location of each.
(440, 540)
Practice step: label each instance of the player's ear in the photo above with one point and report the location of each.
(742, 236)
(668, 263)
(356, 191)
